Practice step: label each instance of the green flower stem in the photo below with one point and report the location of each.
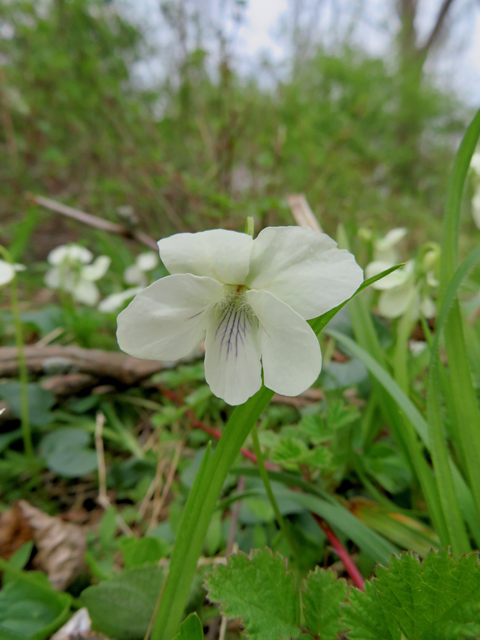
(22, 365)
(22, 368)
(198, 512)
(268, 488)
(205, 492)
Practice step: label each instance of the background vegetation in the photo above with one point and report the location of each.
(101, 456)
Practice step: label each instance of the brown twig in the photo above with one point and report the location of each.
(103, 499)
(55, 359)
(158, 503)
(93, 221)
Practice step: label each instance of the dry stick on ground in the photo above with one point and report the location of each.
(160, 501)
(55, 359)
(305, 218)
(103, 499)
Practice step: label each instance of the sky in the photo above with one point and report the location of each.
(456, 66)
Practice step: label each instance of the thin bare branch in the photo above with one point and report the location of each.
(442, 14)
(92, 221)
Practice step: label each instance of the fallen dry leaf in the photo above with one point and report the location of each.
(15, 531)
(60, 546)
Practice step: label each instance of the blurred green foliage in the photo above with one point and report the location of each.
(207, 146)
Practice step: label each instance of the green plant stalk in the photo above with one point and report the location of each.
(204, 494)
(400, 358)
(441, 462)
(268, 488)
(466, 412)
(413, 417)
(198, 512)
(22, 368)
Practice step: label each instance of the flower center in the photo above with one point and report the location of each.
(234, 300)
(235, 318)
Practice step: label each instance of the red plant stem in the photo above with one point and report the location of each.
(216, 433)
(342, 553)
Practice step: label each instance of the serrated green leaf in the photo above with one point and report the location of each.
(422, 600)
(288, 451)
(366, 618)
(190, 629)
(322, 599)
(316, 429)
(259, 590)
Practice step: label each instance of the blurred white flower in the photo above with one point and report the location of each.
(384, 249)
(410, 285)
(7, 271)
(136, 274)
(114, 301)
(72, 272)
(249, 299)
(475, 163)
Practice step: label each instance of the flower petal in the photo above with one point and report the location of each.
(84, 291)
(291, 354)
(395, 279)
(392, 238)
(52, 278)
(70, 252)
(219, 254)
(475, 163)
(394, 302)
(303, 268)
(167, 320)
(428, 307)
(134, 275)
(7, 272)
(116, 300)
(232, 358)
(147, 261)
(97, 269)
(476, 206)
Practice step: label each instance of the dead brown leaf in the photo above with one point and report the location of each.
(15, 531)
(60, 546)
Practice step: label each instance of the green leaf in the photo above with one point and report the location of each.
(31, 609)
(259, 590)
(366, 618)
(67, 454)
(421, 600)
(40, 401)
(319, 323)
(141, 551)
(190, 629)
(322, 599)
(122, 607)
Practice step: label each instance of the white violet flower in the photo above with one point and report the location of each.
(409, 286)
(72, 272)
(7, 271)
(249, 299)
(136, 274)
(384, 249)
(475, 163)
